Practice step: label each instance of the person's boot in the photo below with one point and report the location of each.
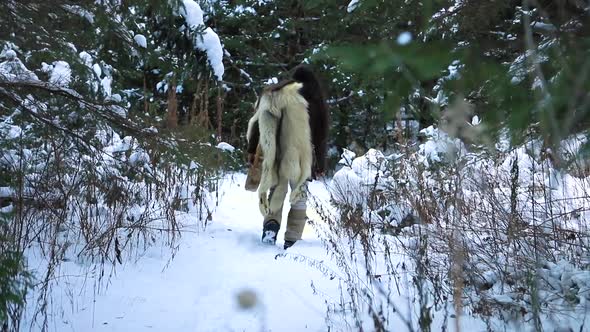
(295, 224)
(270, 231)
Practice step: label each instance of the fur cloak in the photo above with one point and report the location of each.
(285, 139)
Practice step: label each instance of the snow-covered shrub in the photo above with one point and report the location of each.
(14, 276)
(354, 181)
(85, 173)
(99, 200)
(500, 235)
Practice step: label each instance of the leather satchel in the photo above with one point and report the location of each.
(255, 171)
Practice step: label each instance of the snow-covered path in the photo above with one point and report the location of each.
(197, 289)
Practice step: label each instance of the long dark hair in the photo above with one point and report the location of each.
(318, 113)
(312, 90)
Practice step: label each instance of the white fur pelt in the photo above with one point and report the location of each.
(292, 159)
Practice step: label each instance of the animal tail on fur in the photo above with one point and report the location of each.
(263, 204)
(272, 203)
(267, 182)
(296, 193)
(297, 190)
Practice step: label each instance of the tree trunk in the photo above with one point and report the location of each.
(145, 97)
(203, 116)
(172, 121)
(219, 113)
(194, 113)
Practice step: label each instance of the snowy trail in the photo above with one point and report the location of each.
(196, 290)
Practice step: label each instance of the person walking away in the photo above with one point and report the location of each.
(289, 129)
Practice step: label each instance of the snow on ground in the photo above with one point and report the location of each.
(197, 289)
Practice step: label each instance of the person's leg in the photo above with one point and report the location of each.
(296, 219)
(272, 221)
